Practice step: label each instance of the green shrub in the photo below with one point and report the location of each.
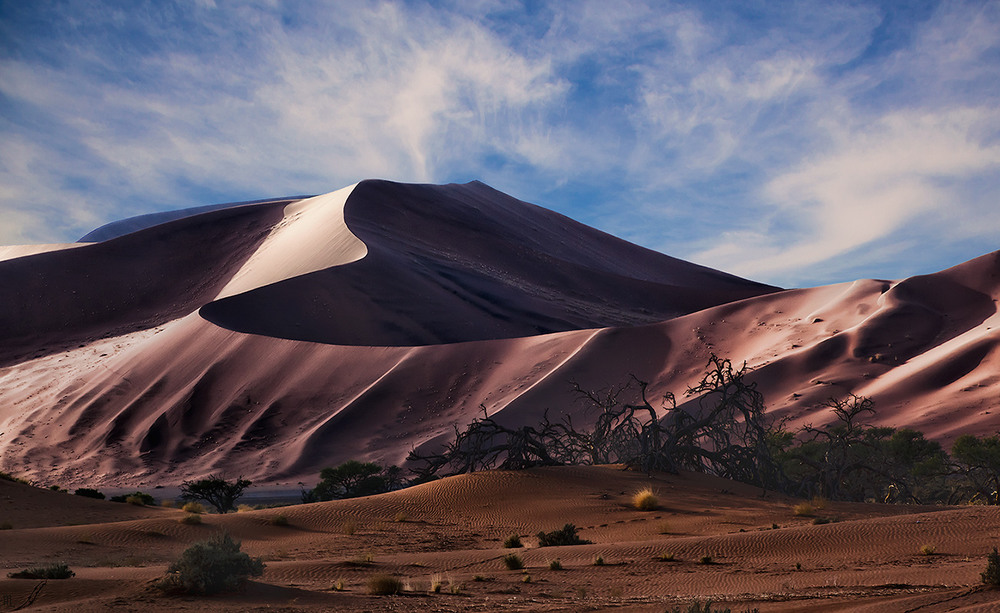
(88, 493)
(47, 571)
(513, 561)
(209, 567)
(383, 585)
(991, 576)
(138, 498)
(513, 542)
(565, 536)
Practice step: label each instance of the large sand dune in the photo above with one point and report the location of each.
(273, 339)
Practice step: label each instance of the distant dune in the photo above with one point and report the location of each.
(273, 339)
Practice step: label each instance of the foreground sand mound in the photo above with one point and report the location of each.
(451, 532)
(110, 359)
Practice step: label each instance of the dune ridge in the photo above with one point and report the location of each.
(274, 339)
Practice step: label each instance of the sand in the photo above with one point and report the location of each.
(868, 559)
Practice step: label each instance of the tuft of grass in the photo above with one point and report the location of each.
(513, 561)
(564, 536)
(193, 507)
(645, 500)
(526, 579)
(167, 503)
(555, 565)
(706, 560)
(401, 517)
(279, 520)
(384, 585)
(513, 542)
(599, 561)
(436, 584)
(667, 557)
(243, 508)
(46, 571)
(927, 549)
(804, 509)
(191, 519)
(10, 477)
(338, 586)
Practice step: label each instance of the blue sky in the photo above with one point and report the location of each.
(796, 143)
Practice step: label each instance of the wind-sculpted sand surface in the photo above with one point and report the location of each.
(270, 340)
(452, 531)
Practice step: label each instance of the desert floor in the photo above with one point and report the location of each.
(451, 531)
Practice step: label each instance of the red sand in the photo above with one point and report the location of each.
(372, 320)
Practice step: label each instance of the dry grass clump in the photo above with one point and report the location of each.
(804, 509)
(193, 507)
(666, 557)
(555, 565)
(599, 561)
(513, 561)
(191, 519)
(991, 576)
(513, 542)
(46, 571)
(243, 508)
(279, 520)
(706, 559)
(384, 585)
(400, 517)
(645, 500)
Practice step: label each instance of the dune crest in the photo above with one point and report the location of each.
(273, 339)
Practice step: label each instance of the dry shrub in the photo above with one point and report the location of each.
(209, 567)
(46, 571)
(804, 509)
(555, 565)
(384, 585)
(927, 550)
(645, 500)
(513, 561)
(243, 508)
(278, 520)
(191, 519)
(193, 507)
(513, 542)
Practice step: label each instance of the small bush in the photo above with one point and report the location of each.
(47, 571)
(526, 579)
(383, 585)
(513, 561)
(167, 503)
(401, 517)
(338, 586)
(279, 520)
(927, 550)
(645, 500)
(804, 509)
(243, 508)
(991, 576)
(88, 493)
(191, 519)
(666, 557)
(193, 507)
(555, 565)
(436, 584)
(513, 542)
(138, 498)
(599, 561)
(556, 538)
(819, 521)
(706, 560)
(209, 567)
(10, 477)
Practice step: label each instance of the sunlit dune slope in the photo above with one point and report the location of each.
(181, 353)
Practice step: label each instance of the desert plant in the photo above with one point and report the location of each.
(88, 493)
(697, 607)
(666, 557)
(193, 507)
(526, 579)
(401, 517)
(338, 586)
(927, 550)
(167, 503)
(555, 565)
(350, 526)
(209, 567)
(10, 477)
(991, 576)
(46, 571)
(513, 542)
(191, 519)
(139, 501)
(513, 561)
(706, 559)
(599, 561)
(384, 585)
(564, 536)
(645, 500)
(353, 478)
(436, 584)
(216, 491)
(136, 498)
(279, 520)
(804, 509)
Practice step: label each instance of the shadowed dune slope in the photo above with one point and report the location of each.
(459, 263)
(152, 392)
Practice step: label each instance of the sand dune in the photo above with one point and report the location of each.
(452, 531)
(272, 340)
